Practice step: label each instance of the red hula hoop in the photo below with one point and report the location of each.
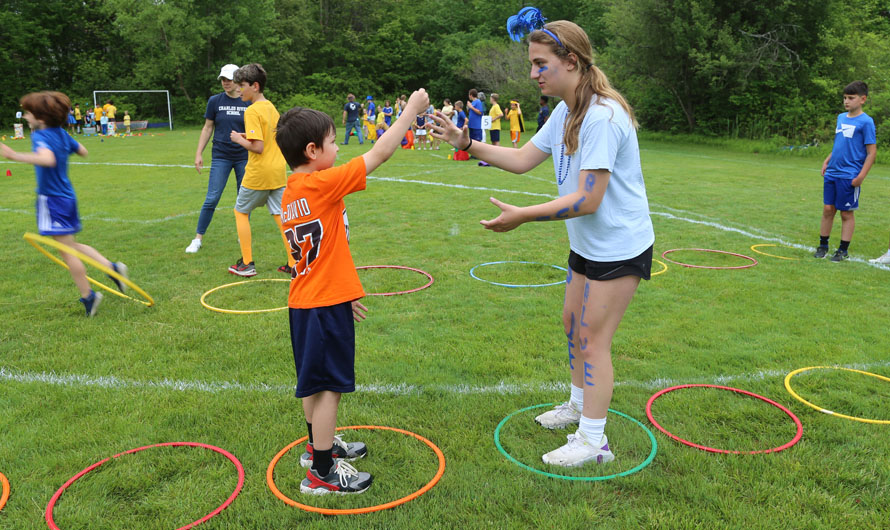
(724, 451)
(52, 502)
(428, 275)
(666, 252)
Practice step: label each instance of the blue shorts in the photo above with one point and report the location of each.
(841, 194)
(495, 135)
(476, 135)
(323, 340)
(57, 216)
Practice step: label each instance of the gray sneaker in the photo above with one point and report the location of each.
(91, 304)
(840, 255)
(821, 252)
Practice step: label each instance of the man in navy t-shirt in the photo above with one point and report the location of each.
(351, 119)
(224, 114)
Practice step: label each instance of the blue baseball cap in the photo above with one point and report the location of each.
(369, 97)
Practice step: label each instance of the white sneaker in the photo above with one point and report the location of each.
(579, 451)
(193, 246)
(883, 259)
(560, 417)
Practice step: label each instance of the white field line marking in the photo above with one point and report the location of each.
(216, 387)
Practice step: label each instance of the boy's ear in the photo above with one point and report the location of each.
(311, 151)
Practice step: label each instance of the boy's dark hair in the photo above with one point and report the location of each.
(49, 107)
(858, 88)
(473, 92)
(298, 128)
(250, 74)
(544, 99)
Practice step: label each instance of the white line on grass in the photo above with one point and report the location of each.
(216, 387)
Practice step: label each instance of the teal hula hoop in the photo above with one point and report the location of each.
(646, 462)
(473, 274)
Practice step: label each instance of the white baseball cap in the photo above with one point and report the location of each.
(228, 71)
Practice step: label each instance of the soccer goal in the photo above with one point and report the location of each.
(136, 124)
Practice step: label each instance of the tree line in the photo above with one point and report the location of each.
(742, 68)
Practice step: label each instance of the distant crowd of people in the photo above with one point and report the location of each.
(101, 117)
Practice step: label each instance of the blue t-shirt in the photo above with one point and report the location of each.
(352, 108)
(227, 115)
(54, 180)
(851, 135)
(461, 118)
(620, 228)
(476, 119)
(372, 110)
(387, 119)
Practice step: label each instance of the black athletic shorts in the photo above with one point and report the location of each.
(323, 340)
(609, 270)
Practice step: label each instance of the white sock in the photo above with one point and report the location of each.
(593, 429)
(577, 398)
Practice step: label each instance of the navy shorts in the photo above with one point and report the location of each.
(476, 135)
(57, 216)
(841, 194)
(495, 135)
(323, 339)
(609, 270)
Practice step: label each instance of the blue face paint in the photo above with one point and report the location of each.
(588, 184)
(542, 69)
(588, 376)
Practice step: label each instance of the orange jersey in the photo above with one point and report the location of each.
(314, 219)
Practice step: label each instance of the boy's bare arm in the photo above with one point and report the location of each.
(825, 164)
(872, 151)
(42, 157)
(389, 142)
(254, 146)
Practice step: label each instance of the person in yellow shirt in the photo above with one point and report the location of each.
(517, 125)
(97, 115)
(266, 173)
(78, 118)
(496, 114)
(127, 120)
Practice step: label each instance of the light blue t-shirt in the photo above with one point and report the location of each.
(620, 228)
(851, 135)
(54, 181)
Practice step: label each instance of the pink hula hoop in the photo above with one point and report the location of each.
(428, 275)
(666, 252)
(793, 441)
(52, 502)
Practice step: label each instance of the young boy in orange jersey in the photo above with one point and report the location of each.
(266, 172)
(325, 289)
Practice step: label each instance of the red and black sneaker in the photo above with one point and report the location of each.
(341, 451)
(342, 479)
(286, 269)
(242, 269)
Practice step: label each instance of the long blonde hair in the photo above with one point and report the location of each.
(593, 82)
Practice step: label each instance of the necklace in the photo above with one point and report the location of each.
(560, 177)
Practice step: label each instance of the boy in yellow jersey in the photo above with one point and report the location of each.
(266, 173)
(97, 116)
(496, 114)
(127, 120)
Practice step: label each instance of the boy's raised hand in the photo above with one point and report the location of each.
(418, 102)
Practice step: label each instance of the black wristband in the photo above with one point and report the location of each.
(467, 148)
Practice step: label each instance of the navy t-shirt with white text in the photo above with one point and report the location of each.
(352, 109)
(227, 115)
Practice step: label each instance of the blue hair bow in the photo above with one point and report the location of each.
(527, 20)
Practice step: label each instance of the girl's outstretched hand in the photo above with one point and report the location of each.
(510, 217)
(443, 128)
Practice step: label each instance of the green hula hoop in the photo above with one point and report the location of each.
(646, 462)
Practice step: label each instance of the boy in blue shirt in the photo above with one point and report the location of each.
(474, 115)
(57, 217)
(845, 168)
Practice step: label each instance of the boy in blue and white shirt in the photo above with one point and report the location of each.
(845, 168)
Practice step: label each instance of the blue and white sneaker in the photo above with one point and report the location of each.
(91, 304)
(121, 269)
(578, 451)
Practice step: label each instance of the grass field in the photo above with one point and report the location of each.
(451, 361)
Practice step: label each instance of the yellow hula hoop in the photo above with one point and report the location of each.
(4, 485)
(37, 240)
(663, 265)
(754, 248)
(238, 311)
(826, 411)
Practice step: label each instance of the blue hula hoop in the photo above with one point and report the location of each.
(517, 285)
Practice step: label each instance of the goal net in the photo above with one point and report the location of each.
(147, 108)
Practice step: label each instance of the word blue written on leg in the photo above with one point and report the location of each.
(588, 377)
(571, 339)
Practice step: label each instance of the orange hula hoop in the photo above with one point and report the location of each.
(368, 509)
(5, 494)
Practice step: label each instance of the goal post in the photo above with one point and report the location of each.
(167, 92)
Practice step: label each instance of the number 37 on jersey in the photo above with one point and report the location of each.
(305, 242)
